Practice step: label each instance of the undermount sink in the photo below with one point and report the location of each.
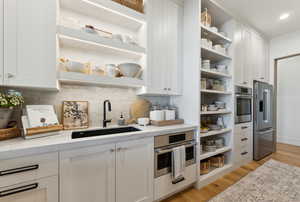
(102, 132)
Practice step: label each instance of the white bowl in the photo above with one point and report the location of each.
(73, 66)
(129, 69)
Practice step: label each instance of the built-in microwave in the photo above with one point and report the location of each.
(243, 104)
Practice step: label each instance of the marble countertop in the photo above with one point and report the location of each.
(20, 147)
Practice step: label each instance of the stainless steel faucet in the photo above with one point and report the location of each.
(104, 113)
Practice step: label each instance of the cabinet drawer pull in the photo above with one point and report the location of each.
(244, 139)
(9, 75)
(179, 180)
(244, 153)
(18, 189)
(244, 127)
(19, 170)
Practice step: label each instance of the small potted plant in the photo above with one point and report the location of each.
(8, 102)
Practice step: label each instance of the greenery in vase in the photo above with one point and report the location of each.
(7, 101)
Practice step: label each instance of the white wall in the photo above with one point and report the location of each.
(282, 46)
(288, 99)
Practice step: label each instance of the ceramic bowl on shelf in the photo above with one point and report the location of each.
(212, 108)
(73, 66)
(129, 69)
(221, 68)
(220, 104)
(111, 70)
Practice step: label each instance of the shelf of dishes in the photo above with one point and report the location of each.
(205, 154)
(94, 80)
(214, 53)
(214, 74)
(107, 10)
(89, 38)
(206, 132)
(217, 70)
(213, 34)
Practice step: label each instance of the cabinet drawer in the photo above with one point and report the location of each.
(41, 190)
(14, 171)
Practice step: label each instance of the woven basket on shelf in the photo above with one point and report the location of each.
(137, 5)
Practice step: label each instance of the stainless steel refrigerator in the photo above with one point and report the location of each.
(264, 136)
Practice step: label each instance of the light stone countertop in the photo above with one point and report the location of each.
(20, 147)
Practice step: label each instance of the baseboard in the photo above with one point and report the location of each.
(287, 140)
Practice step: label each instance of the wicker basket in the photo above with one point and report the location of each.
(137, 5)
(205, 167)
(217, 161)
(9, 133)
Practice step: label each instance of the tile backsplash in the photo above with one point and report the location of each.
(121, 99)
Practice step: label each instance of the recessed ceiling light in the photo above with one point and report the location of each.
(284, 16)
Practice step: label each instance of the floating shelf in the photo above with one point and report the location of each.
(215, 172)
(215, 132)
(214, 74)
(81, 39)
(94, 80)
(210, 154)
(216, 92)
(214, 56)
(207, 32)
(107, 10)
(216, 112)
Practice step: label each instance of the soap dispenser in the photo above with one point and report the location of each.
(121, 121)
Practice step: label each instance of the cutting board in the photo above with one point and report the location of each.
(139, 109)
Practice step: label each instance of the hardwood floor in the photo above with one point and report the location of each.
(285, 153)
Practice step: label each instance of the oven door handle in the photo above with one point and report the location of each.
(244, 96)
(163, 151)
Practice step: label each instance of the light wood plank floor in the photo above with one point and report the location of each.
(285, 153)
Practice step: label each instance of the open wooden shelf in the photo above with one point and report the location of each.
(210, 154)
(94, 80)
(107, 10)
(215, 132)
(81, 39)
(216, 112)
(216, 37)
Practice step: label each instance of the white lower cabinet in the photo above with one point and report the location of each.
(108, 173)
(42, 190)
(135, 171)
(88, 174)
(243, 143)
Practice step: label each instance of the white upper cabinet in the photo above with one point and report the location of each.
(88, 174)
(251, 57)
(261, 54)
(30, 43)
(163, 74)
(1, 43)
(135, 171)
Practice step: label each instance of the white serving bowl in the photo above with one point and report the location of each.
(129, 69)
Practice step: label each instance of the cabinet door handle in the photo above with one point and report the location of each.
(19, 170)
(169, 89)
(9, 75)
(244, 127)
(244, 139)
(244, 153)
(112, 150)
(18, 189)
(245, 82)
(165, 88)
(262, 77)
(121, 149)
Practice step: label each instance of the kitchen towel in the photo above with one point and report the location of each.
(178, 163)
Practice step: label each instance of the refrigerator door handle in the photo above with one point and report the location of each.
(265, 132)
(266, 103)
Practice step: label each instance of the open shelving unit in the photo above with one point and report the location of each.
(77, 44)
(222, 21)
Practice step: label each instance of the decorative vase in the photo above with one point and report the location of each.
(5, 116)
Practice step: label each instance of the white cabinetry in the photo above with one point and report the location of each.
(30, 43)
(163, 74)
(88, 174)
(134, 171)
(243, 143)
(108, 173)
(251, 56)
(41, 190)
(243, 56)
(260, 58)
(1, 43)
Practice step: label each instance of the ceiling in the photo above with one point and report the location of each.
(264, 14)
